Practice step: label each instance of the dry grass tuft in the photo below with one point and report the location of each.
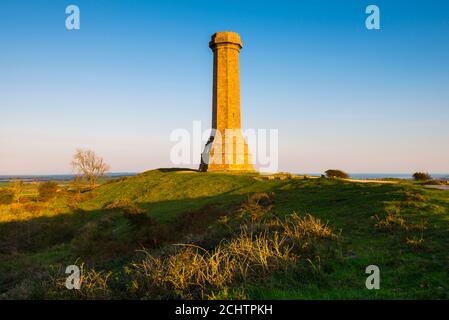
(194, 272)
(391, 222)
(393, 219)
(416, 243)
(298, 227)
(93, 284)
(256, 207)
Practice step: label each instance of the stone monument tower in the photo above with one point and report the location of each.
(226, 148)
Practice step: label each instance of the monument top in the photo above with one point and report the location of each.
(225, 37)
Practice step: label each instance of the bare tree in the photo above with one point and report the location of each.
(90, 166)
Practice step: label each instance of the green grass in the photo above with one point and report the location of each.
(166, 194)
(184, 206)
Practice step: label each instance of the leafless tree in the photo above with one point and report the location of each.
(90, 166)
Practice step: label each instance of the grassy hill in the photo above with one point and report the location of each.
(183, 234)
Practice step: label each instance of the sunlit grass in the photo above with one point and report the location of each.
(242, 236)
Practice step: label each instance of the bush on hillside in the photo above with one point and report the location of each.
(135, 215)
(257, 206)
(34, 207)
(96, 238)
(434, 182)
(17, 187)
(47, 190)
(282, 246)
(7, 196)
(334, 173)
(421, 176)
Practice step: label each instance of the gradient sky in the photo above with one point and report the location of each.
(341, 96)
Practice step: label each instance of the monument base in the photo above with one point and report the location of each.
(230, 155)
(233, 167)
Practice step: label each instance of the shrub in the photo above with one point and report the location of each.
(17, 187)
(334, 173)
(393, 220)
(435, 183)
(421, 176)
(135, 215)
(194, 272)
(33, 208)
(47, 190)
(413, 199)
(73, 200)
(256, 207)
(7, 196)
(93, 285)
(119, 204)
(261, 198)
(87, 240)
(297, 227)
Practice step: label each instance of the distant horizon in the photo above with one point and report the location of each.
(387, 174)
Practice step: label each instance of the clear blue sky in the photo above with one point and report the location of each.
(341, 96)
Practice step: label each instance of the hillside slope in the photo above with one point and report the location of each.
(165, 192)
(313, 239)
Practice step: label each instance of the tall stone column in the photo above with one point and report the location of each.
(226, 148)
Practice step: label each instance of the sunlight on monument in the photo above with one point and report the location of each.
(226, 148)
